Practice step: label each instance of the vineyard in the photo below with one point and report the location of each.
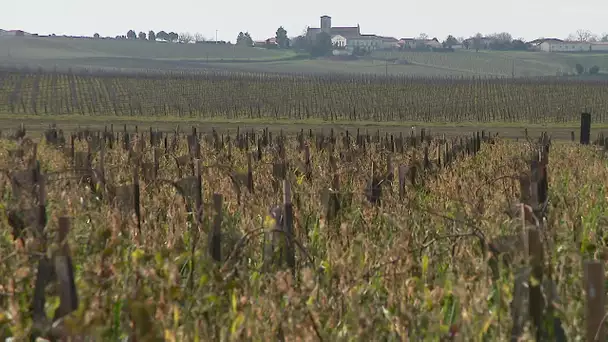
(252, 235)
(520, 64)
(300, 97)
(139, 56)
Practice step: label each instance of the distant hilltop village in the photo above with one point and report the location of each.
(350, 38)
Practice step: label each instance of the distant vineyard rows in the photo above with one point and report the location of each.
(478, 63)
(332, 97)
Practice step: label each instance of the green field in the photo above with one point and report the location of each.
(500, 63)
(104, 54)
(79, 53)
(62, 47)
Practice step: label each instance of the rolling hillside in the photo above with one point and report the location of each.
(61, 52)
(45, 48)
(500, 63)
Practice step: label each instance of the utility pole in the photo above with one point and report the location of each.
(513, 69)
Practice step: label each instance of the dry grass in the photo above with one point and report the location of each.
(410, 269)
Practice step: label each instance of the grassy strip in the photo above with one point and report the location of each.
(281, 121)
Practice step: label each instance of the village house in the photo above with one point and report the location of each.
(558, 45)
(564, 46)
(338, 41)
(536, 43)
(484, 42)
(270, 42)
(389, 42)
(368, 42)
(13, 33)
(432, 43)
(413, 43)
(599, 47)
(407, 43)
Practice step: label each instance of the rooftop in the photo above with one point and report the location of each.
(557, 41)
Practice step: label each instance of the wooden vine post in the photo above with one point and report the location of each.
(64, 271)
(249, 173)
(333, 204)
(288, 225)
(136, 198)
(215, 231)
(585, 128)
(198, 214)
(530, 281)
(596, 300)
(126, 141)
(390, 170)
(44, 273)
(58, 267)
(307, 162)
(536, 300)
(402, 173)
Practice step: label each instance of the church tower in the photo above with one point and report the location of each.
(326, 24)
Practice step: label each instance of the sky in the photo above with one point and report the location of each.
(529, 19)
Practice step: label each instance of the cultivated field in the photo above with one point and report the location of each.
(392, 237)
(67, 48)
(64, 53)
(324, 67)
(159, 209)
(501, 63)
(229, 96)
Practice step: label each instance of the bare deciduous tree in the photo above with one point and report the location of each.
(582, 35)
(477, 41)
(450, 41)
(502, 37)
(185, 38)
(198, 37)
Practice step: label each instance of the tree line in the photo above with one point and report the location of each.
(281, 40)
(243, 38)
(322, 44)
(587, 36)
(173, 37)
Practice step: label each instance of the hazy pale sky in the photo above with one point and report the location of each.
(529, 19)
